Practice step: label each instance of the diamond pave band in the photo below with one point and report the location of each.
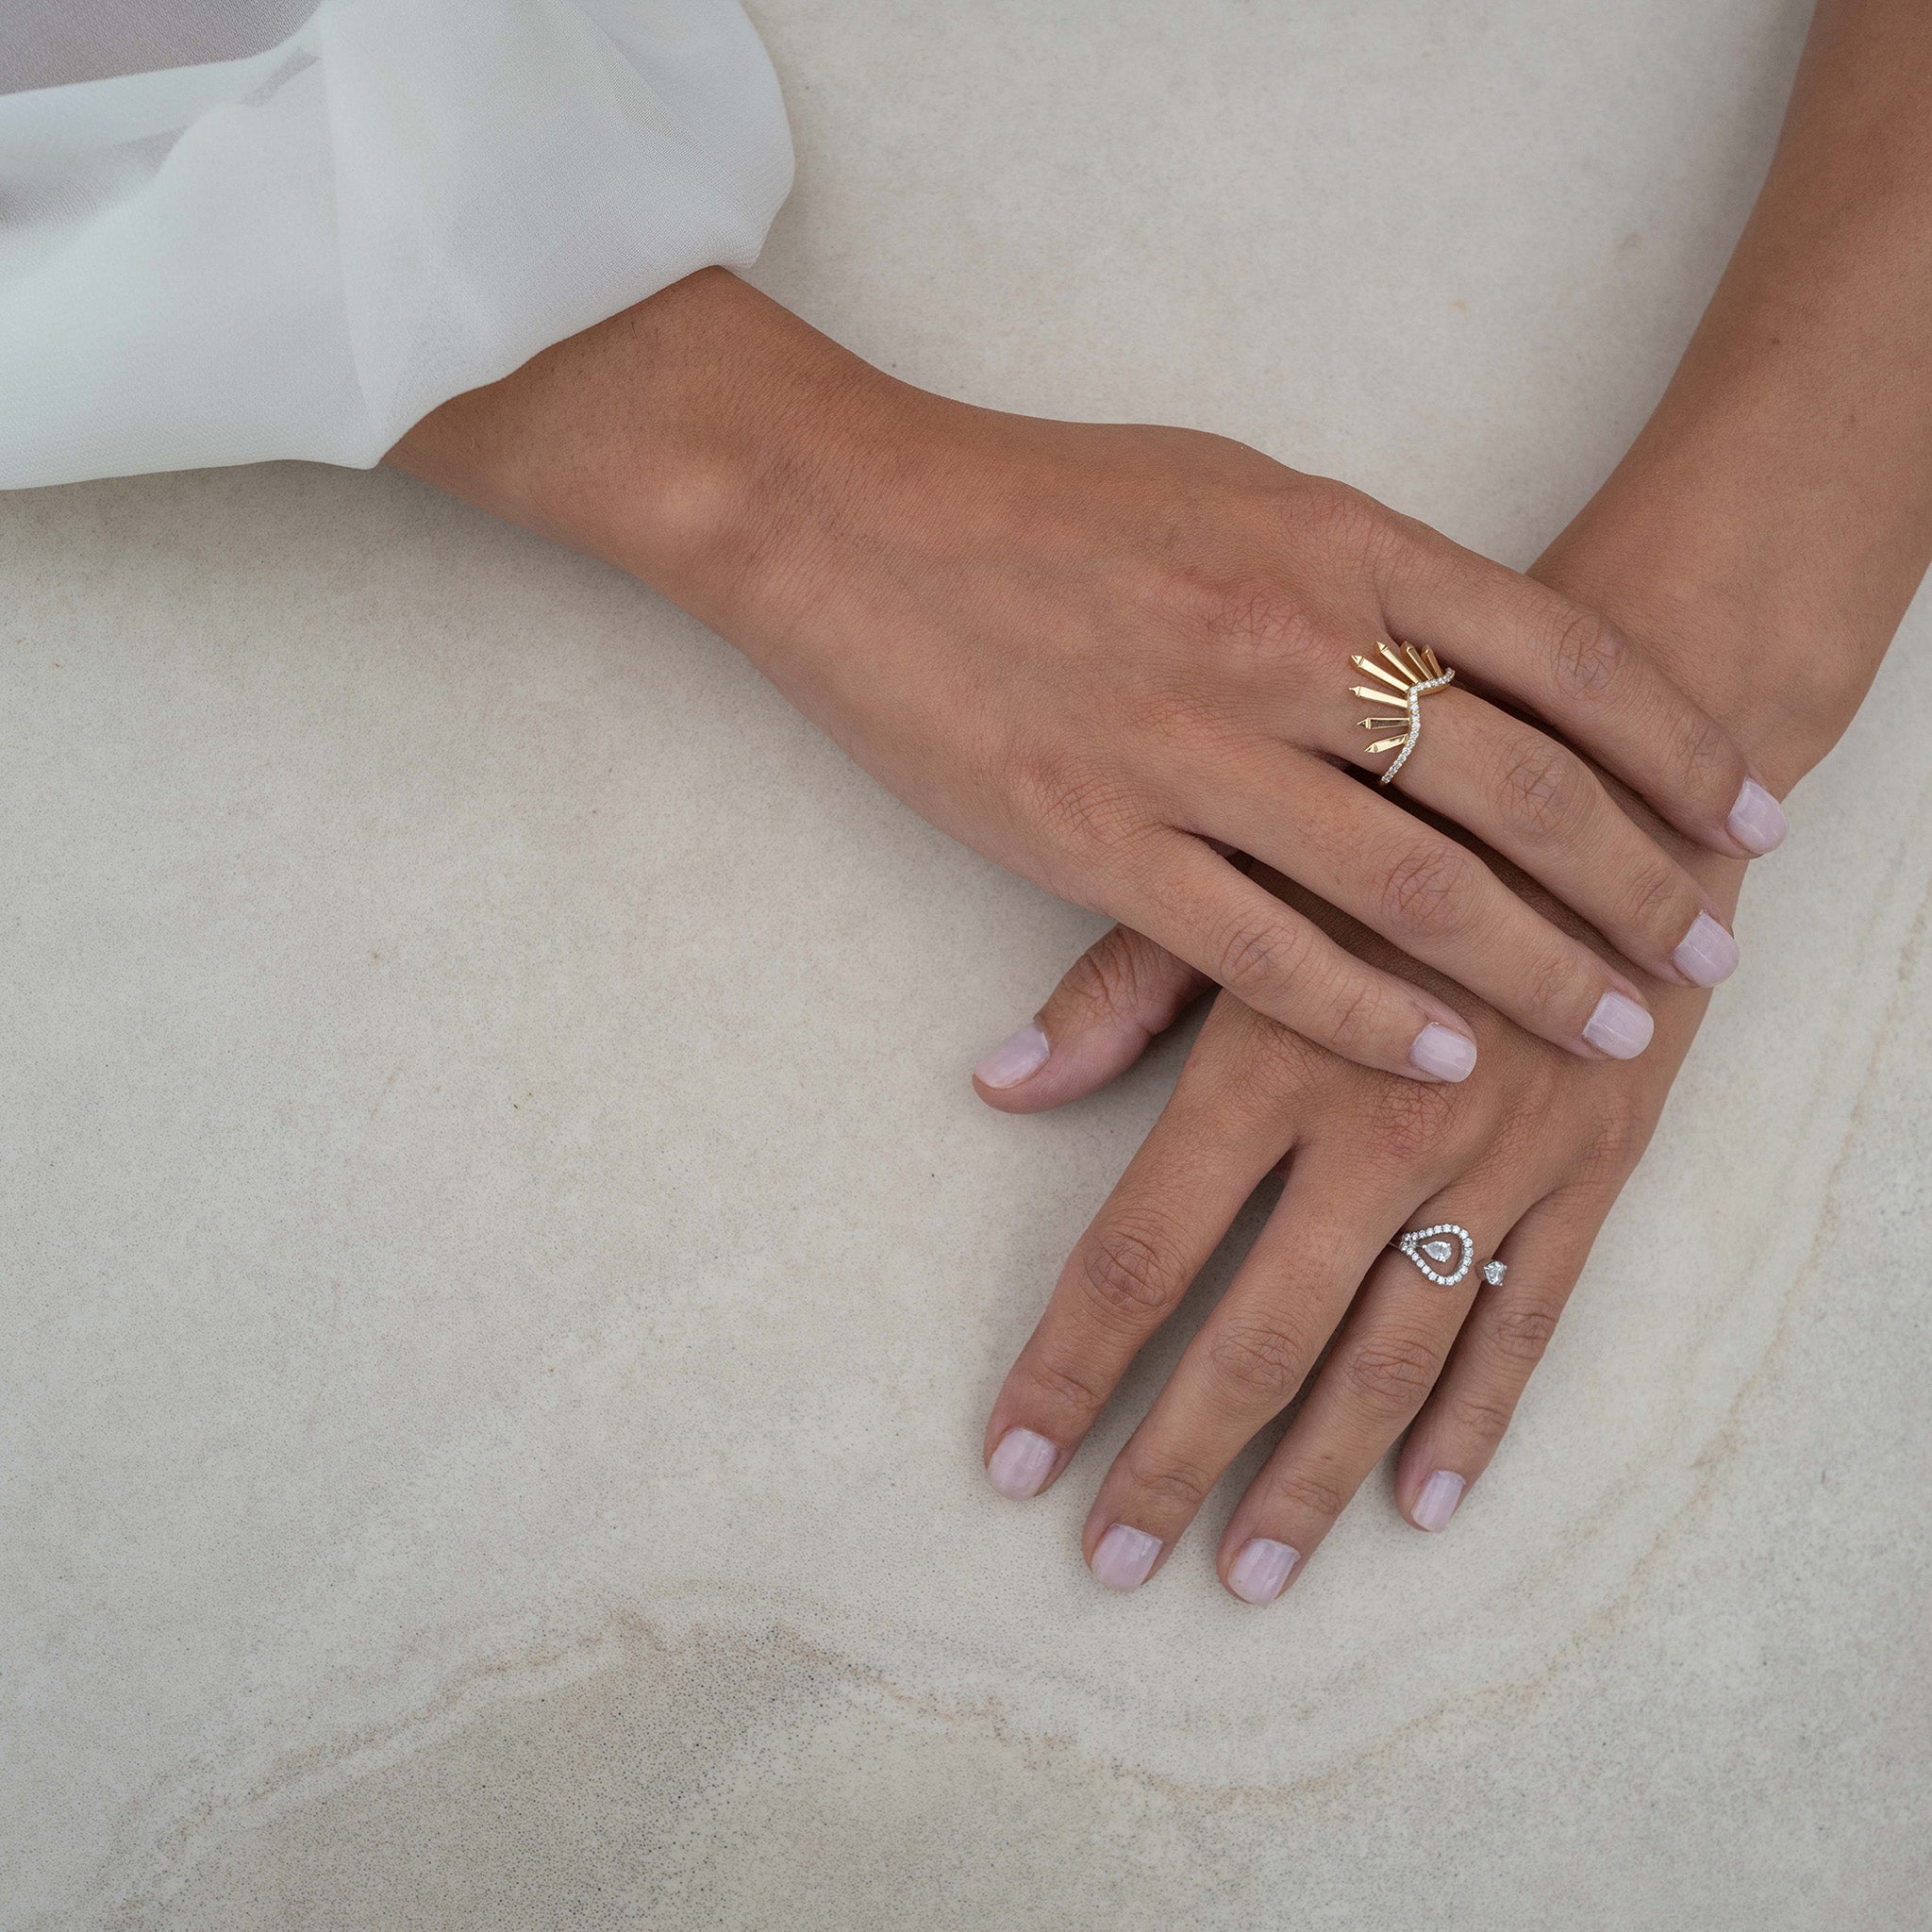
(1434, 1249)
(1406, 679)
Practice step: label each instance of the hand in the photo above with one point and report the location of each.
(1528, 1159)
(1107, 656)
(1764, 534)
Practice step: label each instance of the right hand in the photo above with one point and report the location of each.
(1109, 656)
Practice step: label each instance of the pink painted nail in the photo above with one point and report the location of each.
(1757, 821)
(1014, 1058)
(1438, 1501)
(1442, 1052)
(1123, 1557)
(1261, 1572)
(1020, 1466)
(1619, 1027)
(1707, 952)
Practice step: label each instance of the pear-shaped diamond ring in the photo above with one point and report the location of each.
(1445, 1253)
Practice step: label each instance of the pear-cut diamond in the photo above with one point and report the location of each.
(1436, 1257)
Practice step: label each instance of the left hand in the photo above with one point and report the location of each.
(1527, 1158)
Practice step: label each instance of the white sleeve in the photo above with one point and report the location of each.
(302, 253)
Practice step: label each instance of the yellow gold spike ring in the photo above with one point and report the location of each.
(1409, 678)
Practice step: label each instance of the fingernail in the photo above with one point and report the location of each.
(1259, 1574)
(1442, 1052)
(1438, 1501)
(1757, 821)
(1016, 1056)
(1123, 1557)
(1020, 1464)
(1619, 1027)
(1707, 952)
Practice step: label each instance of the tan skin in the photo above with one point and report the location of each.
(1763, 538)
(1105, 654)
(1109, 656)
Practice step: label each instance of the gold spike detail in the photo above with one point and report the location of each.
(1435, 662)
(1387, 677)
(1368, 692)
(1380, 724)
(1408, 677)
(1385, 744)
(1421, 663)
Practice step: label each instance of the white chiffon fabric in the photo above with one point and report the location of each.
(301, 252)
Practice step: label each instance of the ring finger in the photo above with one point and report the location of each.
(1475, 1396)
(1387, 1358)
(1541, 806)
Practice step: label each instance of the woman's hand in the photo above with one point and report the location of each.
(1528, 1159)
(1109, 656)
(1765, 535)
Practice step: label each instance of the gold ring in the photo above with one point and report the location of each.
(1410, 682)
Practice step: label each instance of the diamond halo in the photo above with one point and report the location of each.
(1431, 1252)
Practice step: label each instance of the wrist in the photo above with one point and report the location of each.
(1738, 629)
(684, 440)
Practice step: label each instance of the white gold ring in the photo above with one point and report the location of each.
(1432, 1250)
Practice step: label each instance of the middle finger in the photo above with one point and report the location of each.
(1386, 1360)
(1251, 1354)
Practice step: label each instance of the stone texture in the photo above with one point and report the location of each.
(502, 1272)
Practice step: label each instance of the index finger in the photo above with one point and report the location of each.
(1224, 1126)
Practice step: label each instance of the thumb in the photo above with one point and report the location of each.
(1119, 992)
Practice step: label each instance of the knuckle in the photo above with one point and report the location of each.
(1541, 787)
(1259, 957)
(1089, 810)
(1413, 1122)
(1266, 624)
(1519, 1137)
(1704, 749)
(1562, 988)
(1175, 1488)
(1587, 652)
(1617, 1138)
(1082, 808)
(1109, 977)
(1311, 1495)
(1347, 522)
(1656, 898)
(1259, 1074)
(1261, 1363)
(1521, 1334)
(1482, 1419)
(1394, 1373)
(1128, 1271)
(1356, 1017)
(1429, 892)
(1069, 1388)
(1276, 1057)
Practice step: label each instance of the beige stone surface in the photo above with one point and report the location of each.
(502, 1272)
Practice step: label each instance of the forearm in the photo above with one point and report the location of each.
(1768, 529)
